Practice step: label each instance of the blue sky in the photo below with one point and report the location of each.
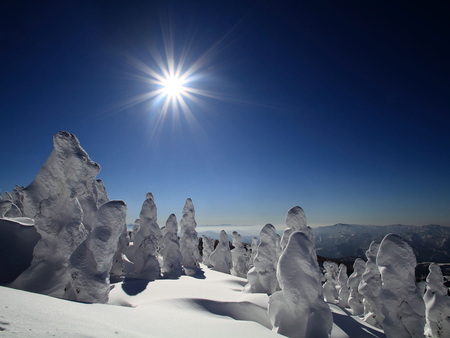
(342, 109)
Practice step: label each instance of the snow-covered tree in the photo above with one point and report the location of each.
(403, 307)
(343, 286)
(118, 267)
(295, 221)
(189, 240)
(262, 277)
(254, 251)
(370, 288)
(437, 304)
(355, 301)
(62, 200)
(144, 249)
(136, 228)
(330, 292)
(208, 248)
(299, 309)
(221, 256)
(238, 257)
(90, 264)
(169, 249)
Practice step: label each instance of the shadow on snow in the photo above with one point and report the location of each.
(237, 310)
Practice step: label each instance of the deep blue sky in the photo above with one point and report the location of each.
(341, 108)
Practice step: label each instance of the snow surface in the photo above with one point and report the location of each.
(211, 305)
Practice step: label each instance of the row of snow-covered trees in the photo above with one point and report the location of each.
(382, 290)
(84, 241)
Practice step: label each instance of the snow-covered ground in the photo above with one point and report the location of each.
(209, 304)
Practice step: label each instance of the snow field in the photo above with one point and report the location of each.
(213, 306)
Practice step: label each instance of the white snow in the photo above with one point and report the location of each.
(344, 292)
(238, 257)
(144, 249)
(169, 249)
(189, 240)
(437, 304)
(187, 307)
(262, 277)
(295, 221)
(298, 310)
(370, 288)
(330, 292)
(402, 305)
(208, 248)
(221, 257)
(355, 301)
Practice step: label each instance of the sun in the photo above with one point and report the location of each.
(173, 86)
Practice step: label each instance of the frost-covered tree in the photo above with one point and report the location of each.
(299, 309)
(90, 264)
(118, 267)
(403, 307)
(238, 256)
(208, 248)
(254, 251)
(133, 233)
(263, 276)
(62, 200)
(221, 256)
(169, 249)
(189, 240)
(437, 304)
(144, 249)
(343, 287)
(295, 221)
(370, 288)
(330, 292)
(355, 301)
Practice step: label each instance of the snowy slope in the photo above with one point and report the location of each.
(207, 305)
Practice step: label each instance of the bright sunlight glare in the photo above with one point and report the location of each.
(173, 86)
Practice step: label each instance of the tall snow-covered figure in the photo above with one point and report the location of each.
(330, 292)
(262, 277)
(370, 288)
(402, 305)
(169, 249)
(238, 256)
(437, 304)
(355, 301)
(221, 256)
(208, 248)
(91, 262)
(189, 239)
(146, 240)
(63, 200)
(299, 309)
(295, 221)
(343, 287)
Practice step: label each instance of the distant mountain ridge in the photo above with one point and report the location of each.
(431, 243)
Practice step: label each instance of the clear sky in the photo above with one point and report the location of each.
(339, 107)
